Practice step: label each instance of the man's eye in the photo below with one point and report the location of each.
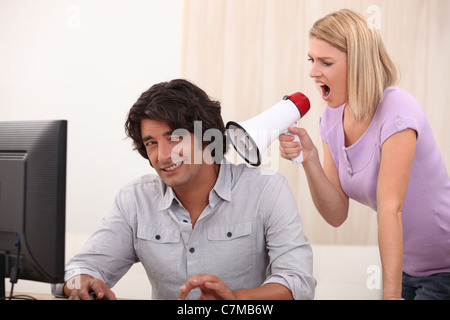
(150, 143)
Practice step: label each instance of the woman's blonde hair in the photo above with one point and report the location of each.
(370, 69)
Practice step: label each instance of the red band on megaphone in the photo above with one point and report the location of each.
(301, 101)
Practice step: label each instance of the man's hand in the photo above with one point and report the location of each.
(211, 287)
(86, 284)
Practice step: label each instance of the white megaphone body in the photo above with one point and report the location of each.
(251, 138)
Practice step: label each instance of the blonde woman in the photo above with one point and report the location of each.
(379, 150)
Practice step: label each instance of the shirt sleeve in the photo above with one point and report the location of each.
(397, 124)
(400, 111)
(289, 251)
(105, 256)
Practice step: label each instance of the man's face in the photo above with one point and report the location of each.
(174, 157)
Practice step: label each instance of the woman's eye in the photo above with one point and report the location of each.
(311, 60)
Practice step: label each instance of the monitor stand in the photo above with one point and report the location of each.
(2, 276)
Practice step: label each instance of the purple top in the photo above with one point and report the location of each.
(426, 211)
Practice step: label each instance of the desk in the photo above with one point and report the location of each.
(45, 296)
(37, 296)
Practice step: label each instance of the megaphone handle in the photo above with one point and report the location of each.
(298, 159)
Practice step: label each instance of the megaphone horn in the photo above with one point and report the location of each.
(251, 138)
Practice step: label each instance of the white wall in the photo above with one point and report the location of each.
(250, 53)
(87, 61)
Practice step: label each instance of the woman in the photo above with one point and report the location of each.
(378, 150)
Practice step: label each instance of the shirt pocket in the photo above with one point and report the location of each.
(230, 232)
(159, 249)
(231, 251)
(158, 234)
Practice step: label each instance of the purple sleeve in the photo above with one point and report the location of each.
(401, 111)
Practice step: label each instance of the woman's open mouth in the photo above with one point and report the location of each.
(325, 91)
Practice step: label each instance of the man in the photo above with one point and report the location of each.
(203, 228)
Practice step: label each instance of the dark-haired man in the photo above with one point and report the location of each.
(202, 228)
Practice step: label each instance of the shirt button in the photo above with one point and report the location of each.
(399, 121)
(229, 234)
(192, 250)
(157, 237)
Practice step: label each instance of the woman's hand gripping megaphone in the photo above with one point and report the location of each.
(290, 146)
(297, 156)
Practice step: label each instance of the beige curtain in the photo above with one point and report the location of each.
(250, 53)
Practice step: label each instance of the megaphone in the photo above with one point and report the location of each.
(251, 138)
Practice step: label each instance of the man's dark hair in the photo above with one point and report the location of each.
(179, 103)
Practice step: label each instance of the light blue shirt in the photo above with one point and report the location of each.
(250, 234)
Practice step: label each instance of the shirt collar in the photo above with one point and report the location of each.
(168, 196)
(223, 184)
(222, 188)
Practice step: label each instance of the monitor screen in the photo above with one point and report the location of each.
(32, 200)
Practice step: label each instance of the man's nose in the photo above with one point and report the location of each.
(164, 151)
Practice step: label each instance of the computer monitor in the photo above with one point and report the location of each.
(32, 200)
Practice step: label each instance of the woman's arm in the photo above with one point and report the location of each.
(327, 194)
(396, 161)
